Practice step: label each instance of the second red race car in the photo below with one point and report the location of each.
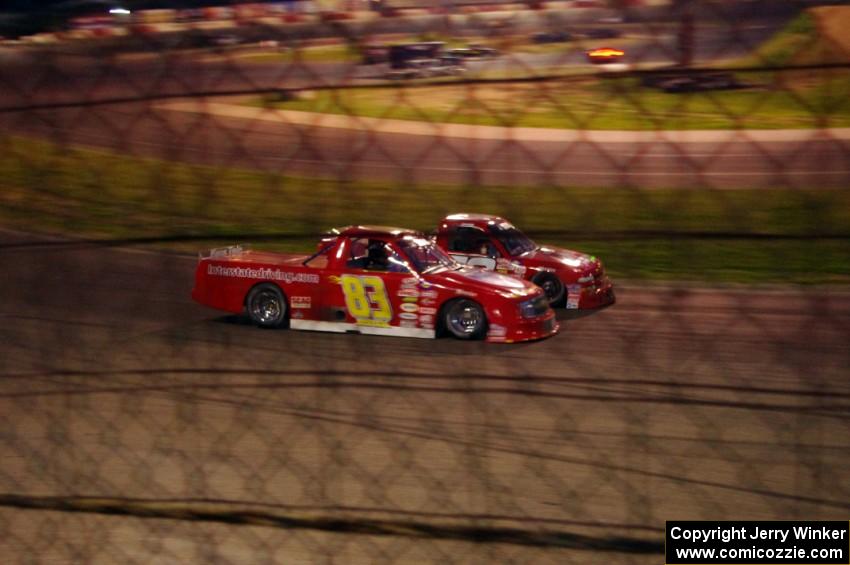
(374, 280)
(569, 278)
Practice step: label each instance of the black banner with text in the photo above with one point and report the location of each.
(768, 542)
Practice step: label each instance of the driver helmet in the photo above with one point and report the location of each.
(377, 253)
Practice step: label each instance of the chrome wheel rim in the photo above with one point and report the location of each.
(465, 319)
(266, 307)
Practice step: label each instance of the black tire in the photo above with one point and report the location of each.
(266, 306)
(552, 286)
(464, 319)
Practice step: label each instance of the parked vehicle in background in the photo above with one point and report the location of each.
(678, 80)
(601, 33)
(551, 37)
(423, 60)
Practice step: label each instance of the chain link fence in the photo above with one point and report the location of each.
(699, 148)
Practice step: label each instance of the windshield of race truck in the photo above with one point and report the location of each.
(515, 242)
(424, 255)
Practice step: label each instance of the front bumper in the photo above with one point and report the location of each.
(600, 293)
(522, 329)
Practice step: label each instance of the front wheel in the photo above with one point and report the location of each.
(552, 286)
(266, 306)
(465, 319)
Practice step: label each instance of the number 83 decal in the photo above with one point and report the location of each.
(366, 299)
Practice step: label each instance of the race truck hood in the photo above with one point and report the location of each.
(480, 280)
(561, 260)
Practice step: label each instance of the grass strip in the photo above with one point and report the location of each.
(699, 235)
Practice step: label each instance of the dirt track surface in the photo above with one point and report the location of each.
(680, 403)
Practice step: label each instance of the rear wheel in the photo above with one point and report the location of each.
(552, 286)
(266, 306)
(465, 319)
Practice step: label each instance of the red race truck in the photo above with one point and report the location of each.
(570, 279)
(374, 280)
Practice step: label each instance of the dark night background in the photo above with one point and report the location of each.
(29, 6)
(23, 17)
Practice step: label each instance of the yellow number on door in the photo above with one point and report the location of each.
(355, 297)
(366, 299)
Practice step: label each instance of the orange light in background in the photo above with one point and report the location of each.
(605, 52)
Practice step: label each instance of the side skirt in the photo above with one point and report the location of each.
(343, 327)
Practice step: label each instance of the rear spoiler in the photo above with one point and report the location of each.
(220, 252)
